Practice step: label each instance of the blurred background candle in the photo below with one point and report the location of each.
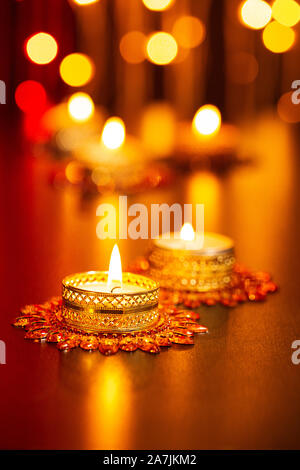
(195, 242)
(192, 261)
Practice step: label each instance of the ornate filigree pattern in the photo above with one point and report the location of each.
(183, 270)
(173, 326)
(75, 293)
(244, 286)
(94, 322)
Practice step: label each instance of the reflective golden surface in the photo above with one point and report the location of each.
(236, 388)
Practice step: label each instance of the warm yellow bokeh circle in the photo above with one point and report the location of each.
(76, 69)
(41, 48)
(157, 5)
(255, 13)
(278, 38)
(286, 12)
(161, 48)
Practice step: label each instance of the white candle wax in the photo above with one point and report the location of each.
(210, 244)
(102, 287)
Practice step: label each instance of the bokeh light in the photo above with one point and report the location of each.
(41, 48)
(189, 31)
(161, 48)
(287, 110)
(242, 68)
(286, 12)
(80, 107)
(133, 47)
(278, 38)
(207, 120)
(74, 172)
(85, 2)
(76, 69)
(31, 97)
(255, 13)
(113, 134)
(157, 5)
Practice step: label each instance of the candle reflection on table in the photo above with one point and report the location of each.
(108, 406)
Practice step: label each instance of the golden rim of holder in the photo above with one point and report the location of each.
(74, 293)
(96, 312)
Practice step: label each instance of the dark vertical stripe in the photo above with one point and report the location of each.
(215, 85)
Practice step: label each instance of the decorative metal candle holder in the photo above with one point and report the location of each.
(190, 270)
(114, 312)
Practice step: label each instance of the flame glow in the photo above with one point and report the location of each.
(85, 2)
(80, 107)
(187, 232)
(113, 134)
(115, 269)
(207, 120)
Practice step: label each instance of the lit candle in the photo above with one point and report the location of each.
(192, 261)
(113, 152)
(114, 279)
(207, 121)
(206, 137)
(189, 240)
(113, 301)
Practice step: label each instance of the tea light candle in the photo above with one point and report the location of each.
(192, 261)
(113, 301)
(187, 239)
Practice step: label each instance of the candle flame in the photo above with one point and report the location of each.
(207, 121)
(113, 134)
(187, 232)
(115, 269)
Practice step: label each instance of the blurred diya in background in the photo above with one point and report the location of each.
(71, 123)
(194, 269)
(95, 154)
(119, 161)
(108, 311)
(100, 161)
(207, 142)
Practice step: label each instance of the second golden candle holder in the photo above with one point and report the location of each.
(180, 265)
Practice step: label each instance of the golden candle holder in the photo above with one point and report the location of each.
(109, 311)
(88, 305)
(207, 269)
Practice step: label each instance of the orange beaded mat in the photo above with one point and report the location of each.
(245, 286)
(44, 323)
